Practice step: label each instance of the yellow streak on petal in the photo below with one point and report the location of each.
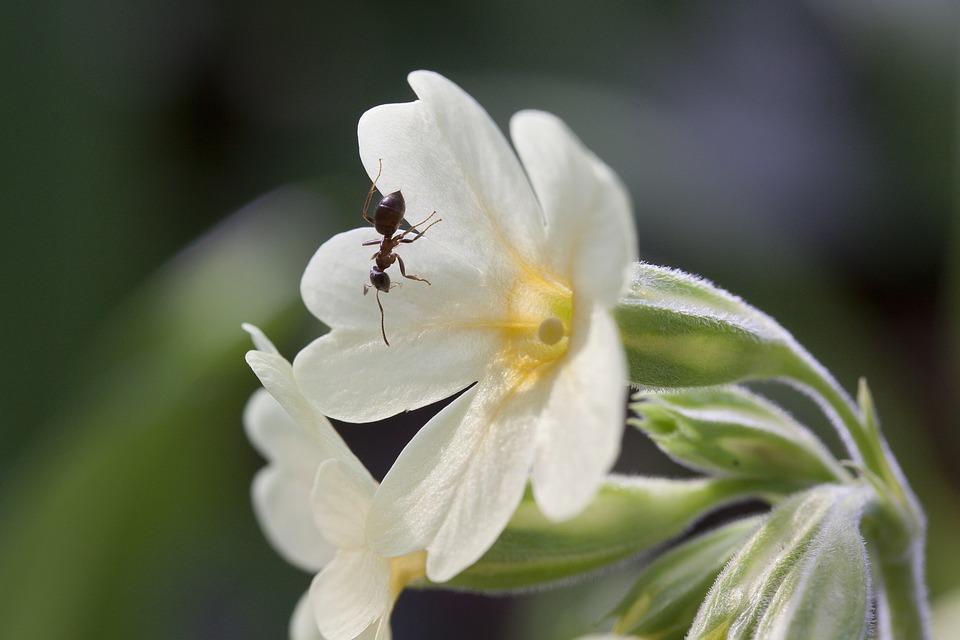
(406, 569)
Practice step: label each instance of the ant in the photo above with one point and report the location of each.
(386, 220)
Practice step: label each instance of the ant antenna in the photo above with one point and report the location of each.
(383, 331)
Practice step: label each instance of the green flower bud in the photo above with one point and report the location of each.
(664, 600)
(682, 331)
(802, 575)
(732, 431)
(628, 515)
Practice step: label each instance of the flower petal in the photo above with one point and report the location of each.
(456, 484)
(350, 594)
(434, 352)
(302, 624)
(281, 502)
(333, 287)
(276, 374)
(582, 425)
(281, 491)
(589, 216)
(375, 382)
(260, 339)
(278, 438)
(446, 154)
(341, 500)
(381, 627)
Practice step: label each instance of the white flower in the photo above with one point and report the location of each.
(525, 267)
(312, 500)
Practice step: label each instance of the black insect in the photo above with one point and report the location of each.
(386, 220)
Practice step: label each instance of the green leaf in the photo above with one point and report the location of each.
(803, 574)
(682, 331)
(730, 430)
(664, 600)
(629, 515)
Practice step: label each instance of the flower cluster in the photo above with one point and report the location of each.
(312, 500)
(524, 270)
(528, 304)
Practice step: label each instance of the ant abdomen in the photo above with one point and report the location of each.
(389, 214)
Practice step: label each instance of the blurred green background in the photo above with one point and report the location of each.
(800, 154)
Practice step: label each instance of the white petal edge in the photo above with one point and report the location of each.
(302, 624)
(341, 500)
(381, 627)
(260, 339)
(457, 483)
(276, 375)
(375, 382)
(281, 491)
(277, 437)
(582, 425)
(281, 502)
(350, 594)
(589, 216)
(405, 513)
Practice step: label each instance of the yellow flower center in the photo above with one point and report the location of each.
(537, 330)
(406, 569)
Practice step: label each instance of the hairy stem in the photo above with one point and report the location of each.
(902, 610)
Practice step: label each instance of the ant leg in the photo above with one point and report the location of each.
(403, 270)
(366, 204)
(401, 238)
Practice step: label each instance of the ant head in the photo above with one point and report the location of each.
(379, 279)
(389, 214)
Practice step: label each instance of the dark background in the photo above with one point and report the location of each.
(800, 154)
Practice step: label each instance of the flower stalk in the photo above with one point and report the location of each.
(903, 608)
(682, 333)
(897, 526)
